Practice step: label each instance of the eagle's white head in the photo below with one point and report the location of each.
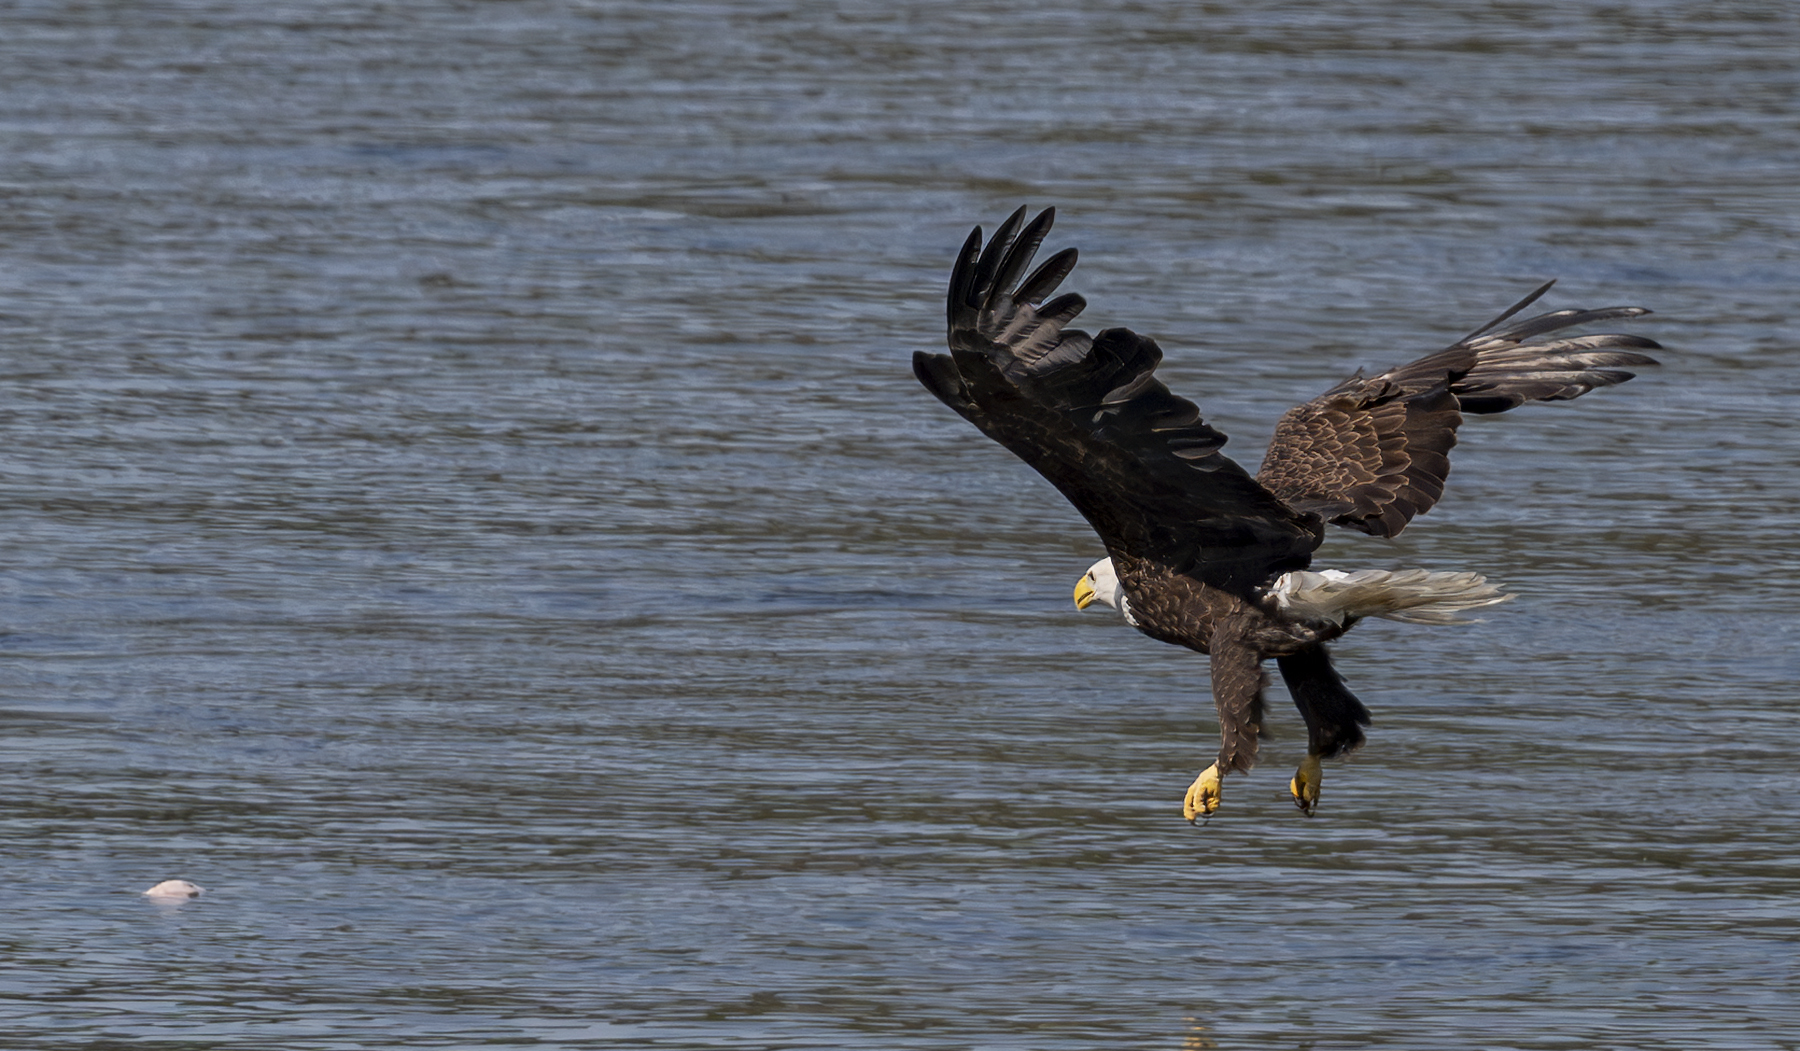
(1101, 583)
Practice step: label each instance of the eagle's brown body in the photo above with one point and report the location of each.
(1197, 543)
(1178, 609)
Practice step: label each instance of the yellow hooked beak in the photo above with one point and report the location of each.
(1084, 593)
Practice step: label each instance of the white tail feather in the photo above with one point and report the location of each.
(1416, 596)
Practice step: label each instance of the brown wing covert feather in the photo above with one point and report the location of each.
(1369, 458)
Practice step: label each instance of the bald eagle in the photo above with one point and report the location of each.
(1203, 554)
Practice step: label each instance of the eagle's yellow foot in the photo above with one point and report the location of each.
(1305, 785)
(1202, 795)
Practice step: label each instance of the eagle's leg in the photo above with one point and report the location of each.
(1334, 718)
(1237, 686)
(1202, 795)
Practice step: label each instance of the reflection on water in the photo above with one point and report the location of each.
(1196, 1038)
(466, 505)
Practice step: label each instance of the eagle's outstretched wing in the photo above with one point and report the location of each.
(1370, 453)
(1089, 414)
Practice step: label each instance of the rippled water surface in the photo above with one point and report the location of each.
(466, 504)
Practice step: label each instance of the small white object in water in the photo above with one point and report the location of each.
(175, 888)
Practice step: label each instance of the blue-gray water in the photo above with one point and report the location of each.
(463, 500)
